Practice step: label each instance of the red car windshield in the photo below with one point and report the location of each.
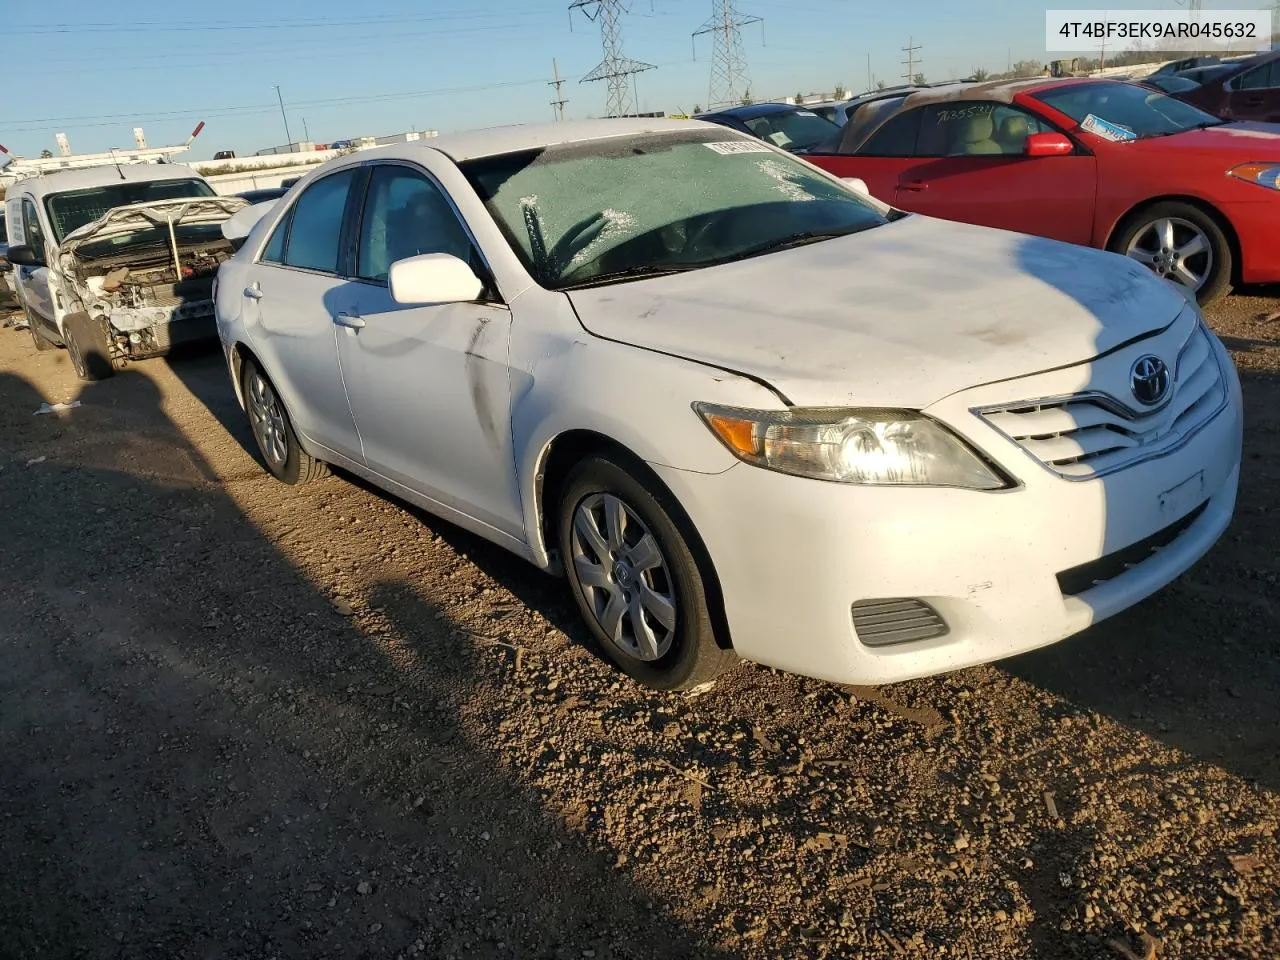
(1139, 111)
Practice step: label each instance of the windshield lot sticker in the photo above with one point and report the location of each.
(1107, 130)
(727, 147)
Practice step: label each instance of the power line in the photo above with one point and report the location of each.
(730, 75)
(911, 62)
(615, 68)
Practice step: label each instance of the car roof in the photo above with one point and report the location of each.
(58, 181)
(872, 116)
(753, 110)
(495, 141)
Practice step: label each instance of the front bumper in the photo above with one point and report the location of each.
(1255, 224)
(793, 555)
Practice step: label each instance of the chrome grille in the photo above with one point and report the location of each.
(1090, 434)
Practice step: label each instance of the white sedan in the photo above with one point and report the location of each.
(744, 408)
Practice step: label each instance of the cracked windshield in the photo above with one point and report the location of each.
(583, 214)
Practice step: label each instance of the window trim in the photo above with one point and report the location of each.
(491, 295)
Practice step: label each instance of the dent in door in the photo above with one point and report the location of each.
(483, 375)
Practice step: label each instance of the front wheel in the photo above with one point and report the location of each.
(273, 431)
(88, 346)
(636, 582)
(1182, 244)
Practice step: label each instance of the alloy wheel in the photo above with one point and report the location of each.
(623, 577)
(266, 416)
(1175, 250)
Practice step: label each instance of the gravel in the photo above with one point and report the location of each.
(241, 720)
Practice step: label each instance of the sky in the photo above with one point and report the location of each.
(96, 71)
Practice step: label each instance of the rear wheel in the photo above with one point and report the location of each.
(88, 346)
(273, 431)
(1180, 243)
(634, 578)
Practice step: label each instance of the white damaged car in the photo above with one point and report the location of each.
(744, 408)
(117, 263)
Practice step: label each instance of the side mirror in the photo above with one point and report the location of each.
(433, 278)
(1047, 145)
(857, 185)
(25, 256)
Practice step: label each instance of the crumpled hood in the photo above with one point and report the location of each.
(156, 213)
(897, 316)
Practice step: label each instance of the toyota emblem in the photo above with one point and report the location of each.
(1149, 380)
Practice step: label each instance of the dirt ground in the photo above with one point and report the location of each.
(243, 721)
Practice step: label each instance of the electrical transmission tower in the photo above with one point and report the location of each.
(558, 103)
(730, 77)
(615, 68)
(911, 62)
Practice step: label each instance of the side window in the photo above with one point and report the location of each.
(315, 236)
(1263, 78)
(405, 214)
(972, 129)
(897, 138)
(273, 252)
(31, 227)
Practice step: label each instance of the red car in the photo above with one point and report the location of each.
(1097, 162)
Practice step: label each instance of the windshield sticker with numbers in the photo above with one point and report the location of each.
(737, 146)
(1106, 129)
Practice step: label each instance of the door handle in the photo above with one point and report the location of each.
(253, 291)
(350, 321)
(915, 186)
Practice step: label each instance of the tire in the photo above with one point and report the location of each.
(88, 346)
(674, 655)
(39, 339)
(1137, 237)
(273, 431)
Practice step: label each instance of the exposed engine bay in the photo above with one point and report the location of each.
(147, 272)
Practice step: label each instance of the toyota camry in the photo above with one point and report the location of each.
(743, 408)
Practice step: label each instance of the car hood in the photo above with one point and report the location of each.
(1251, 141)
(139, 216)
(897, 316)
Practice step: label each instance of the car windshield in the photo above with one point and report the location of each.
(1125, 111)
(607, 210)
(791, 129)
(71, 210)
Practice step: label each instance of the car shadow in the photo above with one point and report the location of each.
(205, 754)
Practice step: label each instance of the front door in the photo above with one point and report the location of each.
(970, 166)
(37, 292)
(289, 304)
(429, 385)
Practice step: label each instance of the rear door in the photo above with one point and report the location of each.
(970, 166)
(1255, 95)
(292, 307)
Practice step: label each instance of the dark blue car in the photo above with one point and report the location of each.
(782, 124)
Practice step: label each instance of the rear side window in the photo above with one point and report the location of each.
(315, 232)
(1263, 78)
(897, 138)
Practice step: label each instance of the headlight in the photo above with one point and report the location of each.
(1263, 174)
(882, 447)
